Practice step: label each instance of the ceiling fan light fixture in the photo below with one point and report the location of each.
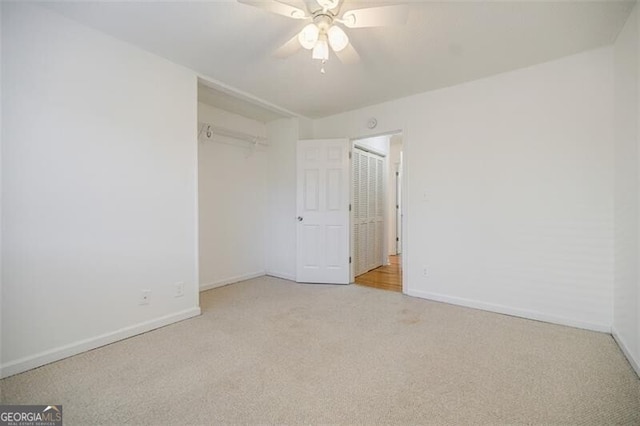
(338, 39)
(349, 19)
(308, 37)
(321, 49)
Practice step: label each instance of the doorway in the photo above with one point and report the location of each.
(386, 277)
(376, 216)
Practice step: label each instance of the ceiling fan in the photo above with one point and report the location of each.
(324, 33)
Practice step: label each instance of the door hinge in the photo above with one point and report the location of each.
(397, 206)
(349, 259)
(397, 173)
(349, 207)
(397, 239)
(349, 155)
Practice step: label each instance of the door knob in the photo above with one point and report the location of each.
(300, 218)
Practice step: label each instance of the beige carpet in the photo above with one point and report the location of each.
(272, 351)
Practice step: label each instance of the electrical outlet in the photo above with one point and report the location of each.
(145, 297)
(424, 271)
(178, 289)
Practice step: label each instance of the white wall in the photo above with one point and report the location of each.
(232, 188)
(1, 137)
(283, 136)
(98, 186)
(509, 201)
(305, 127)
(626, 324)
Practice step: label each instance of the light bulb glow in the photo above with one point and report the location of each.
(308, 37)
(337, 38)
(321, 49)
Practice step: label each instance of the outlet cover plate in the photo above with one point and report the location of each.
(145, 297)
(178, 289)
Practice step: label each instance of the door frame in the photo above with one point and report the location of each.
(405, 201)
(399, 206)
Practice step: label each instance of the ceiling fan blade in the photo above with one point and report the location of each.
(348, 55)
(300, 4)
(275, 6)
(376, 16)
(289, 48)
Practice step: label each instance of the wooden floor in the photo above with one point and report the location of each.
(388, 277)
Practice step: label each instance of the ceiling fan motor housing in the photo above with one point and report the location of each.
(323, 21)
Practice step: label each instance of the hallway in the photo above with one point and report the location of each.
(388, 277)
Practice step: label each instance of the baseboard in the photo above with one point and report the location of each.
(231, 280)
(500, 309)
(38, 360)
(635, 364)
(282, 275)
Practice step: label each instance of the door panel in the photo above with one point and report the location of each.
(311, 190)
(311, 250)
(334, 183)
(323, 211)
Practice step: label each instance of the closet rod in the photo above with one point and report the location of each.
(370, 150)
(210, 129)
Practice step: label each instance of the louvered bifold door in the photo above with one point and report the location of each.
(355, 185)
(368, 211)
(364, 212)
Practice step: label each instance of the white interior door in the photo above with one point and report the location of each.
(323, 211)
(360, 211)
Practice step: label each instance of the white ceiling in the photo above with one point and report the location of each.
(442, 44)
